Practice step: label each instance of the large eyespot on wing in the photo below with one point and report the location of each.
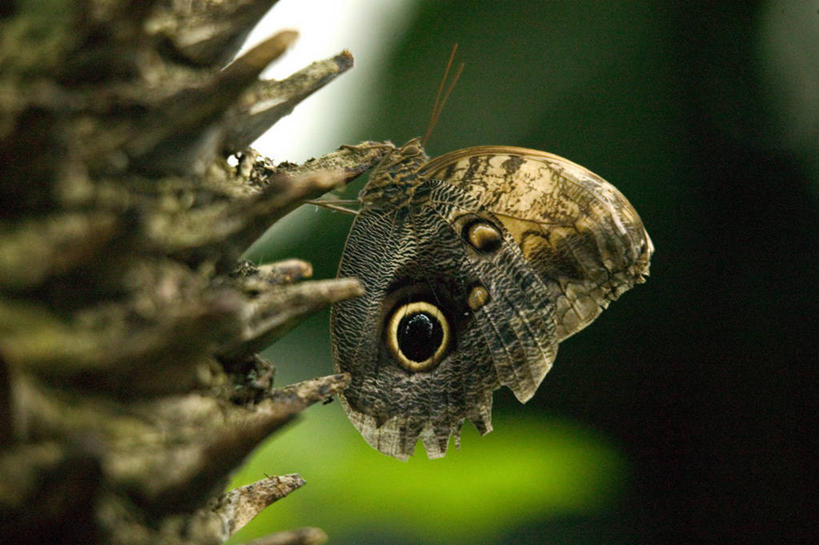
(438, 329)
(401, 342)
(576, 229)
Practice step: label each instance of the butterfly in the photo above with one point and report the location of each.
(476, 265)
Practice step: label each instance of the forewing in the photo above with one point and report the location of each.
(578, 231)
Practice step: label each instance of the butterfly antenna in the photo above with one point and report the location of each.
(449, 89)
(435, 112)
(438, 107)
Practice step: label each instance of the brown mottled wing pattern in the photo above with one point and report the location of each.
(509, 341)
(577, 230)
(568, 244)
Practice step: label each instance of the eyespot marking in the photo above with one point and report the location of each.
(418, 336)
(478, 296)
(483, 236)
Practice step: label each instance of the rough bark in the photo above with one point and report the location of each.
(129, 384)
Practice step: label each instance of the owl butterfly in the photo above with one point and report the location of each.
(476, 264)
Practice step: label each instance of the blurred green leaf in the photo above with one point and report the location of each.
(528, 469)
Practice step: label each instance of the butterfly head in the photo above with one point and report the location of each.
(395, 175)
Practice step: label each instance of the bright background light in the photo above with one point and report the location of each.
(335, 114)
(327, 119)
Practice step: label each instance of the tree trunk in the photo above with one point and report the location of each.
(129, 384)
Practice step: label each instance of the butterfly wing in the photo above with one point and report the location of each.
(554, 244)
(578, 231)
(418, 252)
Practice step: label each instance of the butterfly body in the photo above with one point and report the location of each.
(475, 265)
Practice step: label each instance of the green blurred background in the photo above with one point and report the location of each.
(682, 414)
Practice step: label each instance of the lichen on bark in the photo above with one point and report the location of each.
(130, 387)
